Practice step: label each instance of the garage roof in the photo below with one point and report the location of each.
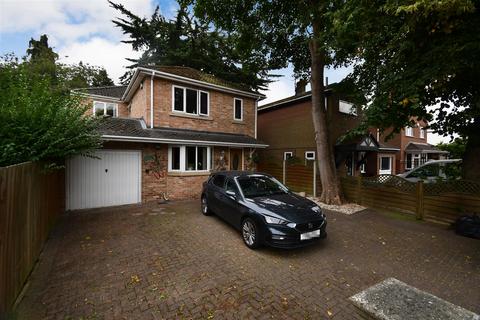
(134, 130)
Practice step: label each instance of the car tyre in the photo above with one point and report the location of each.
(250, 233)
(205, 208)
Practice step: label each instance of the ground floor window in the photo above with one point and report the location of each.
(189, 158)
(415, 159)
(385, 165)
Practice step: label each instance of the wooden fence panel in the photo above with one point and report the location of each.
(30, 202)
(427, 201)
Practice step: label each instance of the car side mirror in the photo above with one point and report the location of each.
(231, 194)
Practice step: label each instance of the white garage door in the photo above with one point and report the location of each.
(113, 179)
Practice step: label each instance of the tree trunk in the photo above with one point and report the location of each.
(471, 165)
(331, 191)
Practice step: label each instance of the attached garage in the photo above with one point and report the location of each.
(113, 178)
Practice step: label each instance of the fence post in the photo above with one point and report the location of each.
(314, 178)
(419, 195)
(359, 190)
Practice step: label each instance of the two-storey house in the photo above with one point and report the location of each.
(286, 126)
(163, 134)
(412, 145)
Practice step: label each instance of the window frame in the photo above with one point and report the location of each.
(409, 130)
(422, 133)
(234, 109)
(199, 106)
(308, 157)
(183, 158)
(115, 108)
(352, 110)
(390, 165)
(287, 153)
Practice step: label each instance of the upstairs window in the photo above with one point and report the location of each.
(190, 101)
(422, 133)
(238, 109)
(347, 107)
(409, 131)
(105, 109)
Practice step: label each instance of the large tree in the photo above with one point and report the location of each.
(41, 59)
(281, 32)
(417, 59)
(190, 42)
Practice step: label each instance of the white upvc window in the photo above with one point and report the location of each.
(409, 131)
(189, 158)
(347, 107)
(101, 108)
(287, 155)
(422, 133)
(238, 109)
(310, 155)
(190, 101)
(385, 165)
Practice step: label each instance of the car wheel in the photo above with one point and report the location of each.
(250, 233)
(205, 209)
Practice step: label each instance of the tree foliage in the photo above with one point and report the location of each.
(277, 33)
(191, 42)
(39, 122)
(416, 59)
(41, 59)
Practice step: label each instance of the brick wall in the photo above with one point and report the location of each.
(122, 107)
(220, 117)
(156, 180)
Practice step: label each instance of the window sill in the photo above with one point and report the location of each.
(238, 122)
(190, 116)
(188, 174)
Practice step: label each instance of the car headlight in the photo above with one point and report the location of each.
(317, 209)
(272, 220)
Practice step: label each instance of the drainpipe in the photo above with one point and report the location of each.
(256, 115)
(151, 99)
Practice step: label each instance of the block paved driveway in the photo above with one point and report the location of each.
(171, 262)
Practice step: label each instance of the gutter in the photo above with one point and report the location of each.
(180, 141)
(151, 99)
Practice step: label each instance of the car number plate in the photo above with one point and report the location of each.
(310, 235)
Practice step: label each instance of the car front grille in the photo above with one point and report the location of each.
(309, 226)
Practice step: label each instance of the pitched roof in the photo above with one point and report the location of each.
(195, 74)
(285, 101)
(423, 147)
(109, 91)
(128, 127)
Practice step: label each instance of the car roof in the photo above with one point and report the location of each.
(239, 173)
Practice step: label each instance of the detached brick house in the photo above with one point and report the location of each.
(286, 126)
(163, 135)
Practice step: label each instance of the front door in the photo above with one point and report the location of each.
(236, 161)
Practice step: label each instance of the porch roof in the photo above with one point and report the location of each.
(413, 147)
(134, 130)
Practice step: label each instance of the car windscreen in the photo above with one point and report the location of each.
(260, 186)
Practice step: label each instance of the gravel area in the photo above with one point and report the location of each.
(347, 208)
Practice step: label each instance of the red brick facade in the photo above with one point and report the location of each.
(157, 181)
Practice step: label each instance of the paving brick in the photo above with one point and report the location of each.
(186, 265)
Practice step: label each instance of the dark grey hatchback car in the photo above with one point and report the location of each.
(263, 209)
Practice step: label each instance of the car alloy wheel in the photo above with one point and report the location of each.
(205, 209)
(250, 233)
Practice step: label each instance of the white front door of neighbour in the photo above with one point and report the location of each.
(112, 179)
(385, 165)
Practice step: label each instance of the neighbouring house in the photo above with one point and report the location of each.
(286, 126)
(163, 135)
(412, 148)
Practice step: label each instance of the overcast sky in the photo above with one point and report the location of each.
(81, 30)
